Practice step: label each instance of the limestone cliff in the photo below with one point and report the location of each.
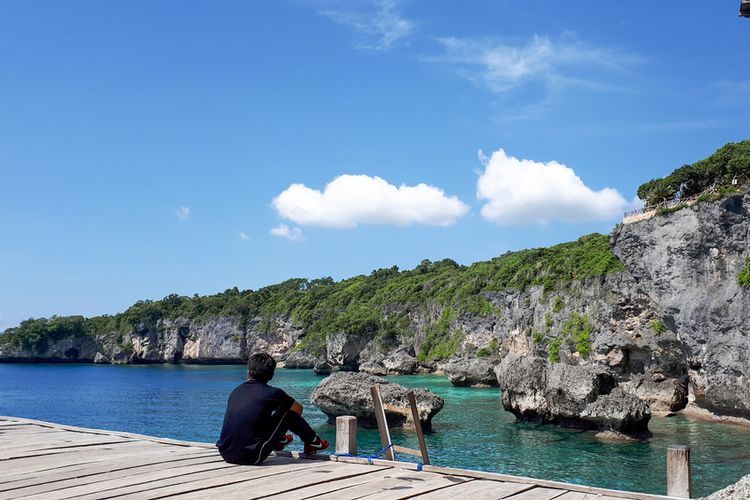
(687, 262)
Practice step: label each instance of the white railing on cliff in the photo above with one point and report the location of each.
(646, 213)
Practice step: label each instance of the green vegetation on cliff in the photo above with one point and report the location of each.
(743, 278)
(728, 163)
(378, 304)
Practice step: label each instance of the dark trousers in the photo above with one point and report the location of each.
(285, 421)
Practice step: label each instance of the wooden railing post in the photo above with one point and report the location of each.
(346, 435)
(679, 481)
(385, 435)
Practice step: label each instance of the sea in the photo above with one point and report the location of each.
(472, 431)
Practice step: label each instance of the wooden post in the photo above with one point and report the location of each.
(346, 435)
(385, 435)
(679, 481)
(418, 427)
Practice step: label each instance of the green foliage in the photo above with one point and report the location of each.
(548, 322)
(489, 350)
(377, 305)
(557, 304)
(729, 162)
(440, 342)
(576, 332)
(553, 349)
(658, 326)
(537, 337)
(743, 278)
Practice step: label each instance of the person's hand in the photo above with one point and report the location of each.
(297, 408)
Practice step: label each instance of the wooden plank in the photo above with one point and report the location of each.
(39, 463)
(538, 493)
(543, 482)
(401, 484)
(94, 469)
(143, 481)
(576, 495)
(187, 487)
(385, 435)
(477, 489)
(418, 427)
(9, 452)
(369, 474)
(134, 474)
(408, 451)
(280, 483)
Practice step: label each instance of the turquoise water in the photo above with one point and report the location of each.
(472, 431)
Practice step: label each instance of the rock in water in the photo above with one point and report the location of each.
(477, 372)
(573, 396)
(322, 368)
(737, 491)
(348, 393)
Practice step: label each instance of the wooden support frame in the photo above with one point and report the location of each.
(385, 435)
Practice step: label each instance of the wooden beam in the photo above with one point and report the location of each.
(408, 451)
(385, 435)
(418, 427)
(346, 435)
(679, 481)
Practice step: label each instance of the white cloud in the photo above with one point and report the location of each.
(284, 231)
(182, 213)
(350, 200)
(525, 191)
(243, 236)
(566, 62)
(378, 21)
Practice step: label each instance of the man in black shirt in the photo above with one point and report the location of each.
(258, 417)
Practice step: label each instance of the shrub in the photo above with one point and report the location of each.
(537, 337)
(658, 326)
(577, 331)
(557, 304)
(553, 350)
(743, 278)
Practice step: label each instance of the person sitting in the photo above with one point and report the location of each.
(258, 417)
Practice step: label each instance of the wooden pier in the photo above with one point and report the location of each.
(40, 460)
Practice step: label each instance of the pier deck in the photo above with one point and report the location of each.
(40, 460)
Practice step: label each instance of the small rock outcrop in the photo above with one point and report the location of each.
(572, 396)
(300, 360)
(348, 393)
(400, 362)
(737, 491)
(477, 372)
(322, 368)
(373, 368)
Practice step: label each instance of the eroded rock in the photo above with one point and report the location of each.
(477, 372)
(582, 396)
(348, 393)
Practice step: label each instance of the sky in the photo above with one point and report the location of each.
(157, 147)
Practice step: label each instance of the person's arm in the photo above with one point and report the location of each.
(297, 408)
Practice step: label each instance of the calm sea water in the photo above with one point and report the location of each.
(472, 431)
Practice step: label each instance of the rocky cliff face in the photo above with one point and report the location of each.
(672, 325)
(687, 263)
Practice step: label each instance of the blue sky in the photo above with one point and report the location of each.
(148, 148)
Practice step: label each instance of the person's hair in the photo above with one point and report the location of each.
(261, 366)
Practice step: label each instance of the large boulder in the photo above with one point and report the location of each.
(348, 393)
(477, 372)
(373, 368)
(736, 491)
(582, 396)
